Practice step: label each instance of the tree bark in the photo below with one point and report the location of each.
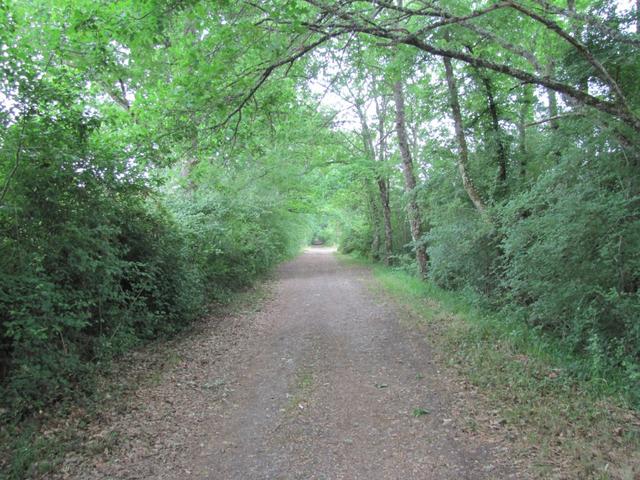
(498, 137)
(413, 210)
(553, 110)
(553, 100)
(463, 153)
(383, 191)
(383, 185)
(375, 242)
(374, 216)
(497, 133)
(576, 30)
(524, 114)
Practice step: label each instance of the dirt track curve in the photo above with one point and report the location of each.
(325, 382)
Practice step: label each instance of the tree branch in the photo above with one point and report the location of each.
(267, 72)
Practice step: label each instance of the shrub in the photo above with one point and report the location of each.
(572, 248)
(464, 251)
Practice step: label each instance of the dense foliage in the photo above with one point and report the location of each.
(157, 154)
(554, 239)
(109, 237)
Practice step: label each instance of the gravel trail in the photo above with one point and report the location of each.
(324, 382)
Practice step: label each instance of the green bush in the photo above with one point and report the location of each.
(464, 252)
(83, 282)
(572, 256)
(96, 260)
(356, 238)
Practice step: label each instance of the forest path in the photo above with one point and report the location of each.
(325, 382)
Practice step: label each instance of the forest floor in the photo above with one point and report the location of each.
(325, 381)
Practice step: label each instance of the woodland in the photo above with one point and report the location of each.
(158, 155)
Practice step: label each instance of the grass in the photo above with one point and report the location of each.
(305, 381)
(562, 425)
(36, 446)
(301, 391)
(419, 412)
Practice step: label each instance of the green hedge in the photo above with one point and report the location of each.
(95, 259)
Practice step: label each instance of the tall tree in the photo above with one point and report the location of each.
(413, 209)
(463, 149)
(383, 180)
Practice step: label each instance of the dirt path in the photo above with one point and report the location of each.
(324, 383)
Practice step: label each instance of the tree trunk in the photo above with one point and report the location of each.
(374, 215)
(553, 100)
(553, 111)
(498, 137)
(463, 154)
(383, 191)
(413, 210)
(375, 243)
(383, 186)
(524, 114)
(497, 133)
(576, 31)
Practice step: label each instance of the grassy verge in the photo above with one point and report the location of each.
(564, 426)
(35, 447)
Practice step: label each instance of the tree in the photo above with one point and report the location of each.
(463, 153)
(413, 210)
